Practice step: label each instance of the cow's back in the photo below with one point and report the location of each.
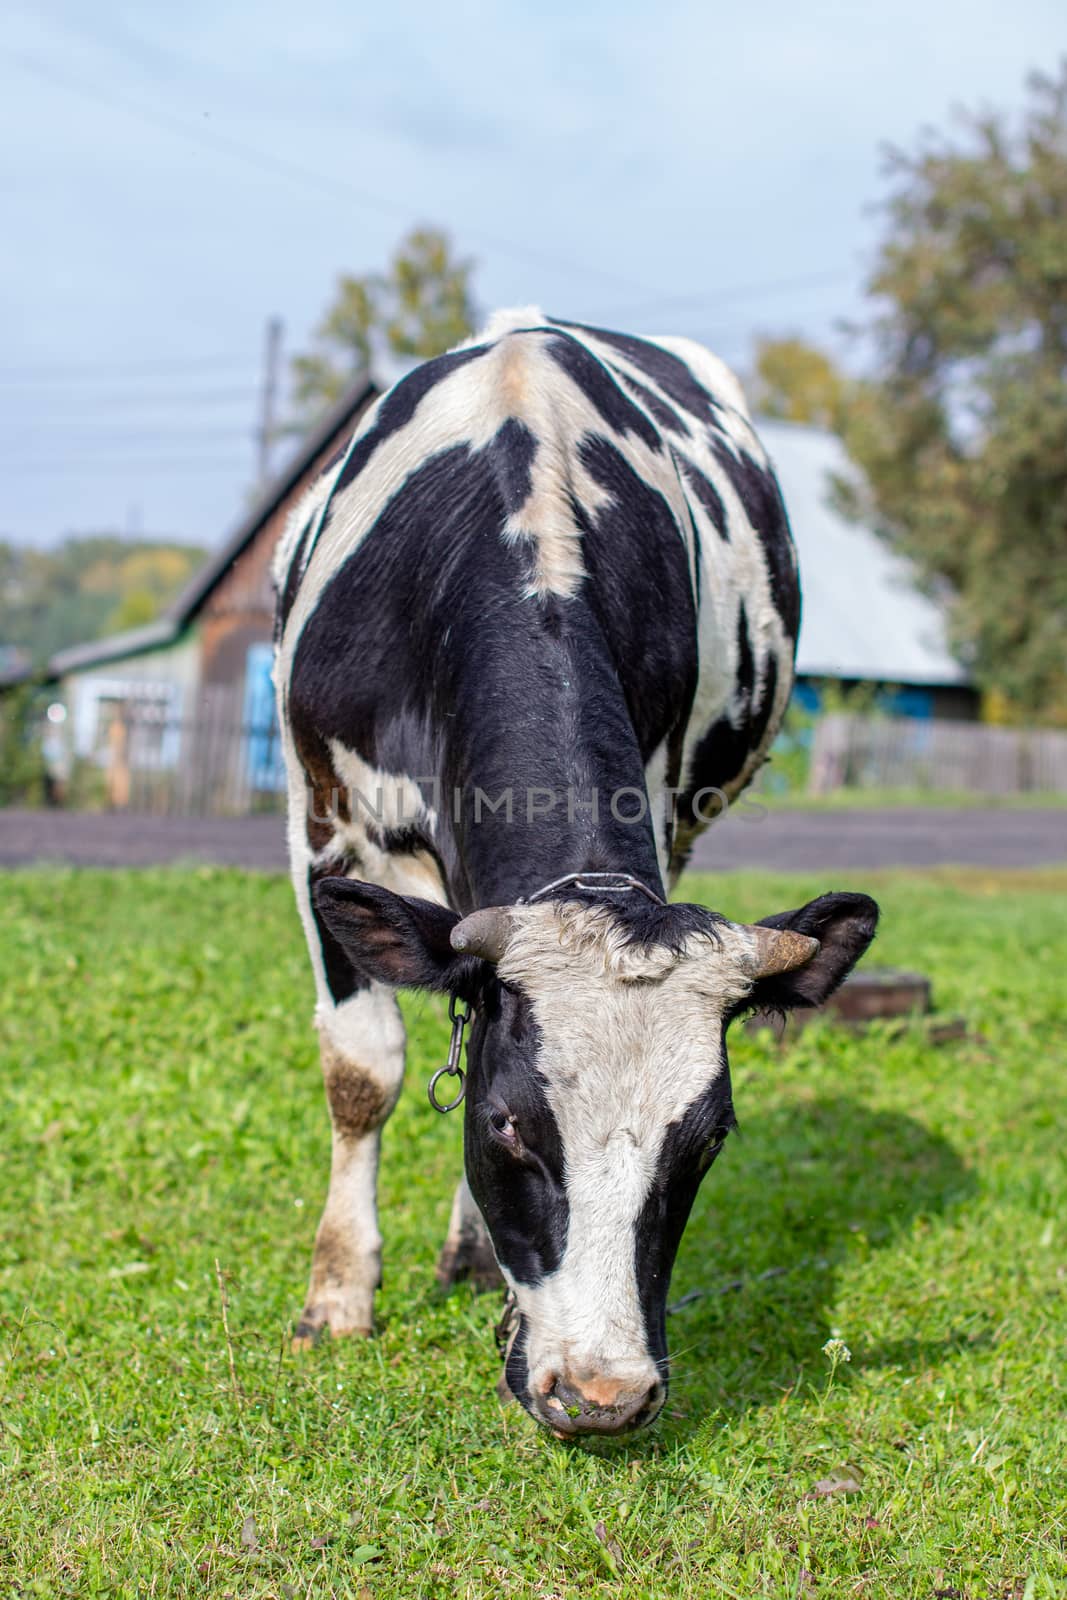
(546, 480)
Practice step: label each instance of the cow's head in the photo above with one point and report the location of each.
(598, 1095)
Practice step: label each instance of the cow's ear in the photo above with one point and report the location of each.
(844, 925)
(394, 938)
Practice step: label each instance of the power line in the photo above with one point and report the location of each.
(200, 400)
(95, 434)
(133, 464)
(155, 368)
(711, 299)
(281, 167)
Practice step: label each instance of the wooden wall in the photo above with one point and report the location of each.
(240, 609)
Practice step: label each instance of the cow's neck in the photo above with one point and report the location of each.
(565, 729)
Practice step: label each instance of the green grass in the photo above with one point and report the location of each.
(891, 799)
(161, 1110)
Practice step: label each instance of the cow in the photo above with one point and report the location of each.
(535, 624)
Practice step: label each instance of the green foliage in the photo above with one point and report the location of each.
(22, 773)
(85, 588)
(420, 307)
(796, 382)
(961, 433)
(162, 1111)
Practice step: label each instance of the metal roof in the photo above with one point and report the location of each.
(116, 647)
(863, 616)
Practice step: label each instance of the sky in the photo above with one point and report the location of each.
(173, 176)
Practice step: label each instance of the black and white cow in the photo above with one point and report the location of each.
(543, 606)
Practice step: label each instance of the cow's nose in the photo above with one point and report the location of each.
(604, 1406)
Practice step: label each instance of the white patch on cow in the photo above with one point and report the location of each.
(367, 1029)
(630, 1039)
(710, 372)
(661, 806)
(378, 800)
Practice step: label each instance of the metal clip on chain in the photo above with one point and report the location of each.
(459, 1015)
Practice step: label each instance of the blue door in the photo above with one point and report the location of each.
(263, 749)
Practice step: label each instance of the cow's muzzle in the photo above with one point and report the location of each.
(601, 1407)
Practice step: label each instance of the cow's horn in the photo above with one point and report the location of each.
(483, 933)
(779, 950)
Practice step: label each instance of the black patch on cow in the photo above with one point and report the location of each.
(644, 924)
(341, 978)
(429, 614)
(294, 573)
(689, 1147)
(723, 750)
(757, 489)
(400, 404)
(707, 494)
(697, 573)
(656, 406)
(523, 1199)
(511, 452)
(666, 370)
(517, 1368)
(599, 385)
(638, 565)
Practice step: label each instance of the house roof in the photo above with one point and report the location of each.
(192, 597)
(134, 642)
(181, 612)
(863, 616)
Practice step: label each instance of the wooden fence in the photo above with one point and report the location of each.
(855, 752)
(210, 762)
(216, 762)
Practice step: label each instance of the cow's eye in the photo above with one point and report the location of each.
(504, 1129)
(712, 1148)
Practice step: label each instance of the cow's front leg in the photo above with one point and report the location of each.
(362, 1046)
(468, 1250)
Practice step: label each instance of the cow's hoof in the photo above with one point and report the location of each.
(310, 1332)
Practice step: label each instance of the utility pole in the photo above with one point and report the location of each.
(272, 357)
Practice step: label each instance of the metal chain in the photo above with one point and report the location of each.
(459, 1019)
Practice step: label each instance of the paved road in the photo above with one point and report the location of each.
(778, 840)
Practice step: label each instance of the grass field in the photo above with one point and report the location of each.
(162, 1112)
(921, 799)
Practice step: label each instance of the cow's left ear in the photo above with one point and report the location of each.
(844, 925)
(394, 938)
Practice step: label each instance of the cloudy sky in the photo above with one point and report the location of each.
(174, 175)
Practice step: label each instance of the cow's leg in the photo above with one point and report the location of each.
(361, 1042)
(468, 1250)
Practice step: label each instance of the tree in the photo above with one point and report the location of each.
(796, 382)
(85, 588)
(962, 432)
(418, 308)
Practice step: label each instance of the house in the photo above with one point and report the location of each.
(183, 708)
(180, 714)
(864, 621)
